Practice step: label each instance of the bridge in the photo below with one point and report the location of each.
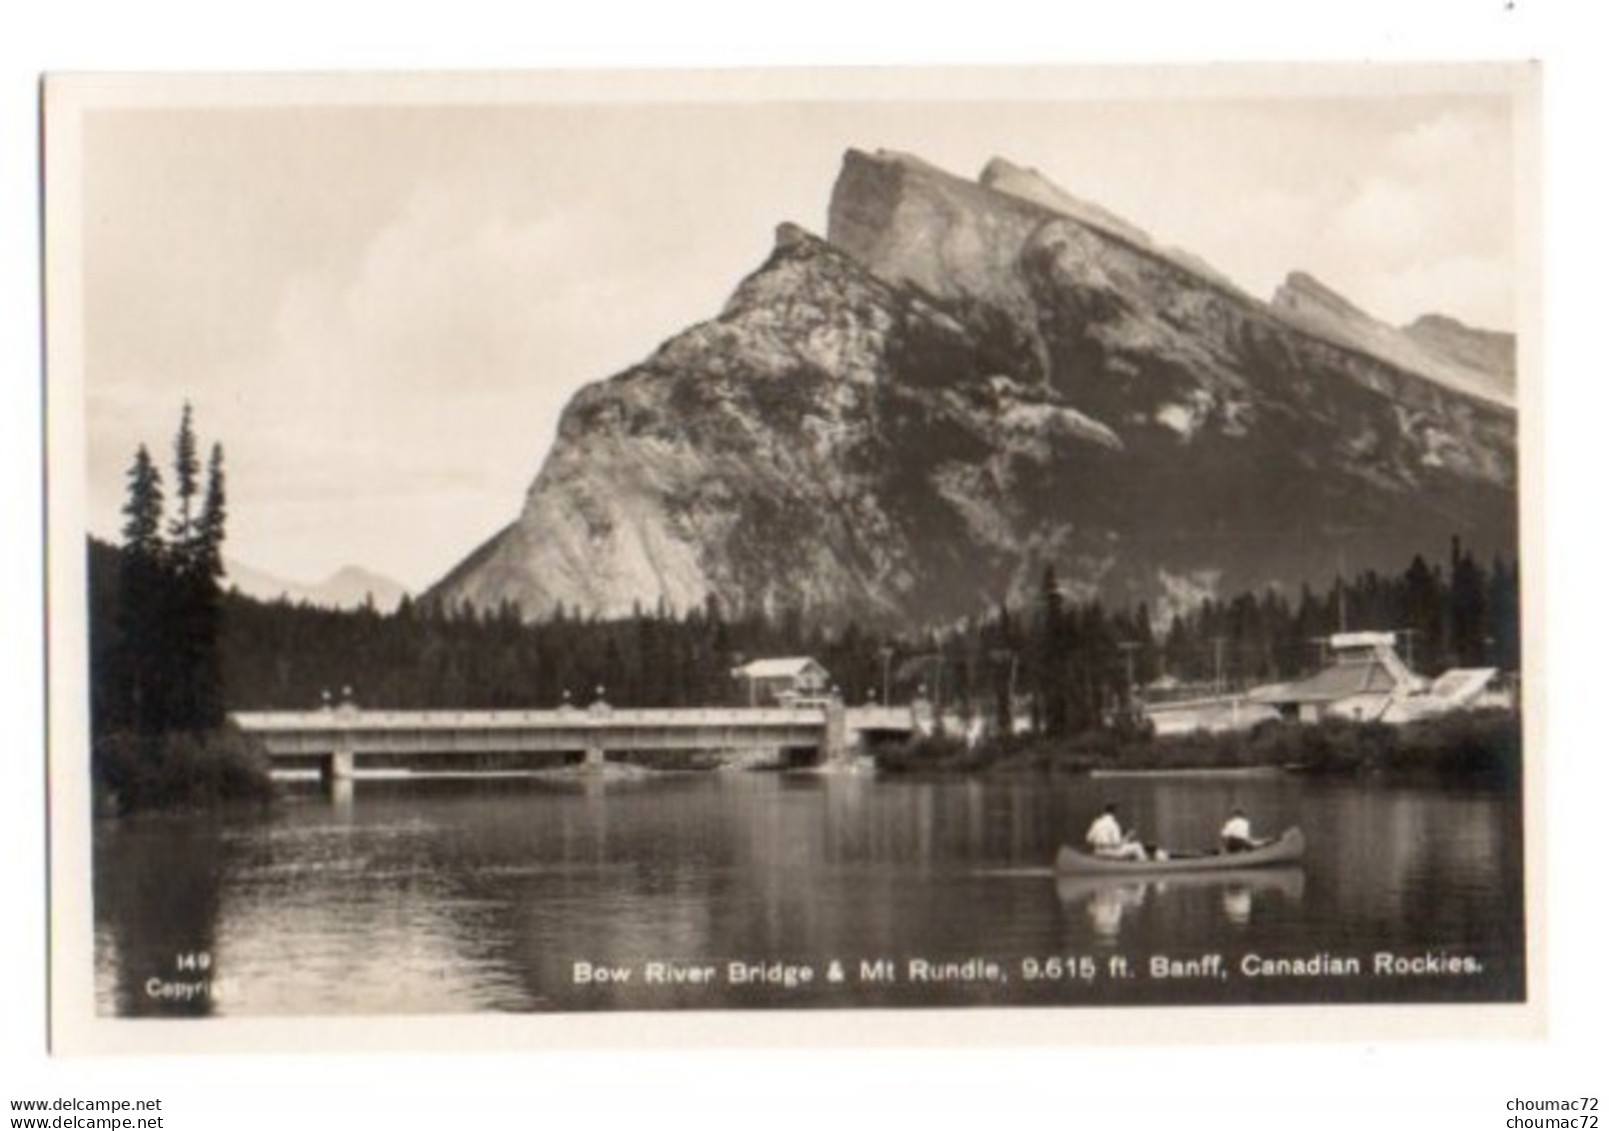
(337, 738)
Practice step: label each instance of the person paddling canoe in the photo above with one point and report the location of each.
(1107, 838)
(1236, 836)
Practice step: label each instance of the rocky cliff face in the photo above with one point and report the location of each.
(1485, 352)
(821, 444)
(905, 422)
(1477, 362)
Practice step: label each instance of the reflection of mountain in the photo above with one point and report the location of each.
(966, 380)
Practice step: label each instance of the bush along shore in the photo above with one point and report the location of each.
(132, 773)
(1477, 747)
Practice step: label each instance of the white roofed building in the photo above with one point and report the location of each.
(1367, 681)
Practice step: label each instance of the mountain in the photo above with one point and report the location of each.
(346, 588)
(1031, 185)
(1486, 352)
(1477, 362)
(905, 422)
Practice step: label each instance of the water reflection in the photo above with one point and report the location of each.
(158, 884)
(451, 897)
(1110, 901)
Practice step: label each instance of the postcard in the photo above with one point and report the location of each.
(800, 556)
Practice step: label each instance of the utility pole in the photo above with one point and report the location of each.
(887, 654)
(1340, 585)
(1323, 643)
(1128, 648)
(1217, 665)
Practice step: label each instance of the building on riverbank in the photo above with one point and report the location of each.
(1367, 681)
(1364, 680)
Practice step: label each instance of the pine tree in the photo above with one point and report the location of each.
(186, 484)
(209, 531)
(138, 666)
(201, 589)
(170, 659)
(142, 526)
(1052, 654)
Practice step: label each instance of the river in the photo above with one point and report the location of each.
(732, 890)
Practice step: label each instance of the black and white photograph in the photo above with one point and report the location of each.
(841, 547)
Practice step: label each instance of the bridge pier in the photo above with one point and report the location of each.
(594, 757)
(835, 737)
(336, 767)
(341, 794)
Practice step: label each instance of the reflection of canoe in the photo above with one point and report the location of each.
(1285, 881)
(1287, 849)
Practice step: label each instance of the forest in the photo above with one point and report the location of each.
(172, 651)
(1071, 666)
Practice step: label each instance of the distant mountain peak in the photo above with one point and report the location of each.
(349, 587)
(1301, 290)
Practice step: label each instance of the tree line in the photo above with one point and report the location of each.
(156, 606)
(1067, 666)
(172, 650)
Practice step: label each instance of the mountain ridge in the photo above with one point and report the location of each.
(906, 421)
(348, 587)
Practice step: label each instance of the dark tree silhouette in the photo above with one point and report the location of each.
(162, 670)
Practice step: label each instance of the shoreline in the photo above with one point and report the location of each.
(1476, 747)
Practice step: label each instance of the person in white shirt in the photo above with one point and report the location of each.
(1236, 836)
(1107, 838)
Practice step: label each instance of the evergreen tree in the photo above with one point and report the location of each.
(201, 589)
(138, 656)
(168, 663)
(186, 485)
(1503, 616)
(142, 526)
(1051, 655)
(1466, 601)
(209, 533)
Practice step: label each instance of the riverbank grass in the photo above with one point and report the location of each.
(133, 773)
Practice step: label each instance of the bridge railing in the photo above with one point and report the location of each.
(342, 718)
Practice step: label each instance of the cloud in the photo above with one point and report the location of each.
(426, 374)
(1454, 139)
(382, 317)
(1477, 289)
(1430, 229)
(1386, 218)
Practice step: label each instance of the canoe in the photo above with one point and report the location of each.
(1287, 848)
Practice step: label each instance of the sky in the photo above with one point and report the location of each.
(380, 310)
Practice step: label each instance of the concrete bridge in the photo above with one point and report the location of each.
(337, 738)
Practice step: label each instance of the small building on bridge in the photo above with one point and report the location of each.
(783, 680)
